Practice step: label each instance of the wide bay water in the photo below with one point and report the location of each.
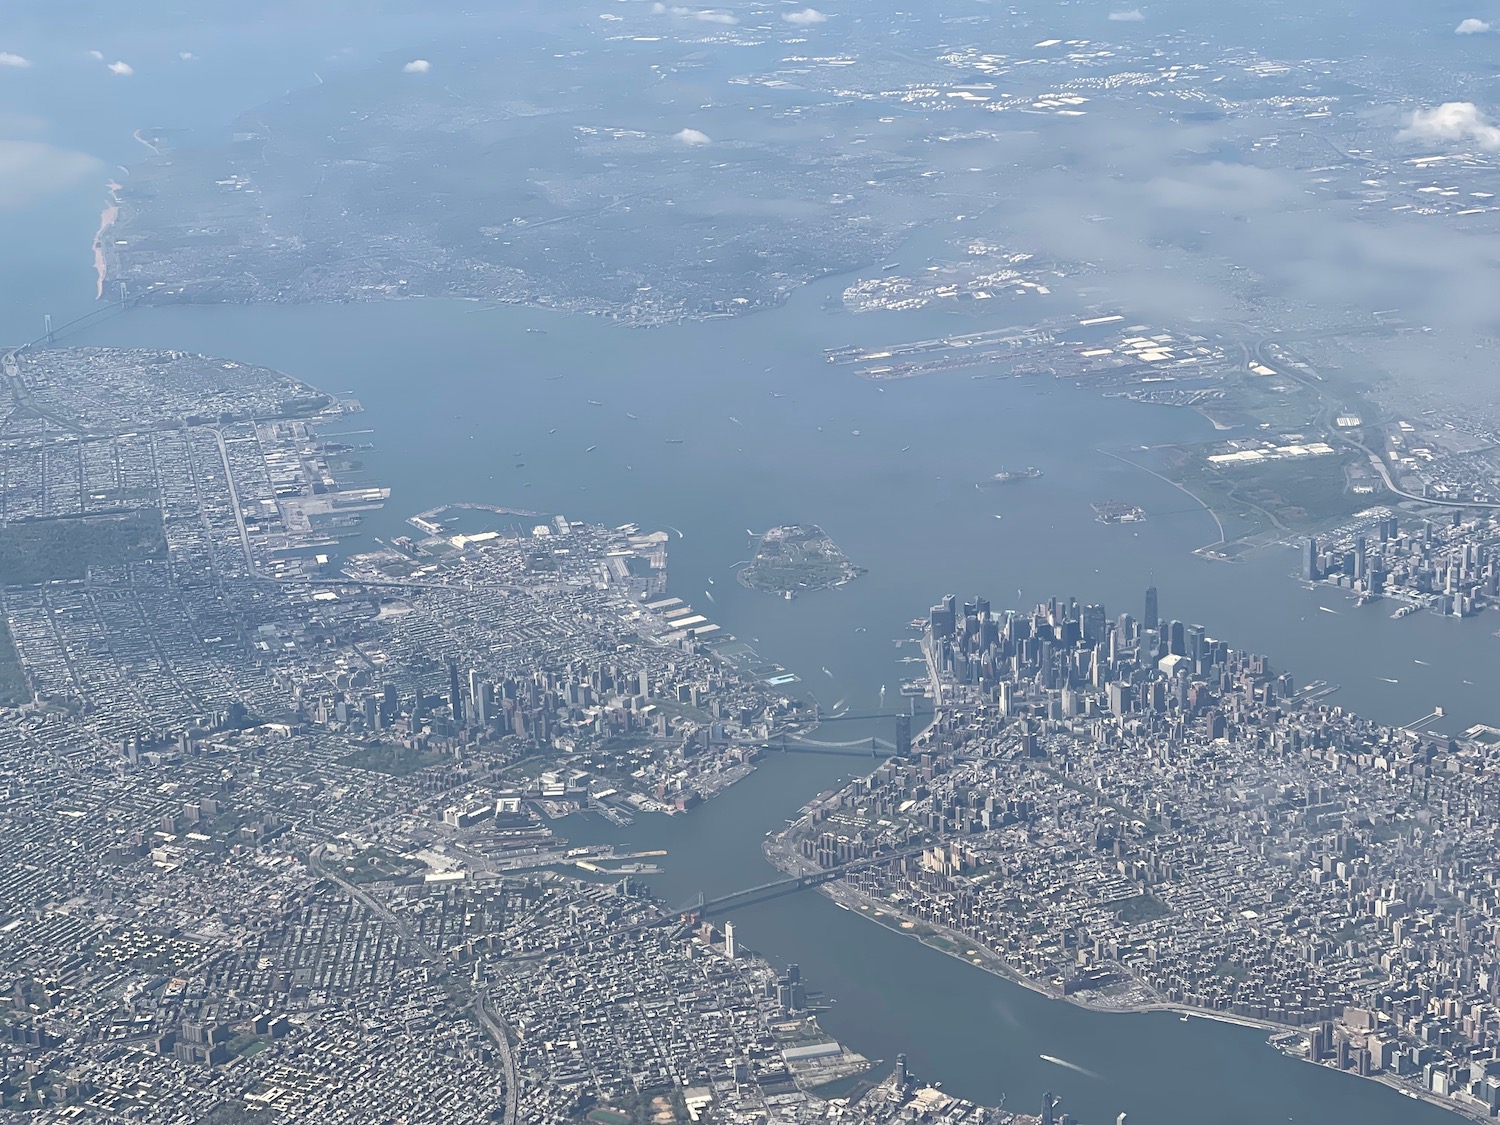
(461, 400)
(457, 396)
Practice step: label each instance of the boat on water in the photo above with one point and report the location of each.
(595, 402)
(1008, 476)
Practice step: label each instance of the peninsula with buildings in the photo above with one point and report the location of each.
(1131, 814)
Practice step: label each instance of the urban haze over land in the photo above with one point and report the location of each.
(631, 562)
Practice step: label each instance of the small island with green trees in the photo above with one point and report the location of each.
(796, 558)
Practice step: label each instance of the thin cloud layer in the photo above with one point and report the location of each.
(1454, 122)
(805, 18)
(707, 16)
(1471, 26)
(31, 170)
(9, 58)
(1134, 15)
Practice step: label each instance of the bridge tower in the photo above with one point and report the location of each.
(47, 327)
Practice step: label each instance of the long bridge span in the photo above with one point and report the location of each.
(788, 884)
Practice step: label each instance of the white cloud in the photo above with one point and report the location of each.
(1452, 121)
(186, 56)
(30, 170)
(8, 58)
(805, 17)
(691, 137)
(1471, 26)
(97, 56)
(417, 66)
(693, 13)
(123, 69)
(1135, 15)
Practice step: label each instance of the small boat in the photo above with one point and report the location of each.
(591, 449)
(553, 430)
(674, 441)
(629, 415)
(595, 402)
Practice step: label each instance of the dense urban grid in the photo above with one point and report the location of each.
(277, 820)
(1132, 814)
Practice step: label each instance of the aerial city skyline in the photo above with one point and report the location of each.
(623, 562)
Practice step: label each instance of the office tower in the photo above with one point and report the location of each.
(1049, 1106)
(793, 973)
(1120, 1120)
(1094, 624)
(1176, 639)
(903, 735)
(902, 1078)
(1150, 620)
(942, 620)
(1310, 569)
(982, 608)
(729, 940)
(455, 702)
(1197, 638)
(1359, 557)
(1006, 700)
(473, 691)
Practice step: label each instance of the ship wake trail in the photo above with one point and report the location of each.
(1066, 1065)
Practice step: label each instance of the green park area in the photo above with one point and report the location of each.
(65, 549)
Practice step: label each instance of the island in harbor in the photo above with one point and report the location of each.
(796, 558)
(1012, 476)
